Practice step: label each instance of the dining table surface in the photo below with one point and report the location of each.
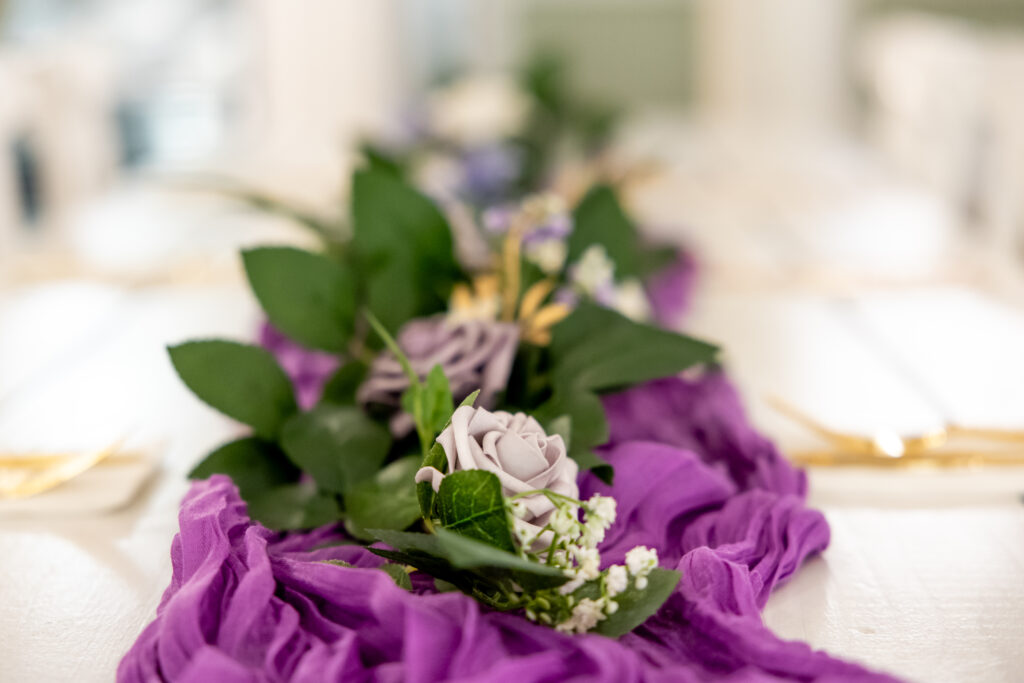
(923, 577)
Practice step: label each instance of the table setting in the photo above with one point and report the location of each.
(503, 412)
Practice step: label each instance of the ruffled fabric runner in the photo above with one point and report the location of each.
(693, 479)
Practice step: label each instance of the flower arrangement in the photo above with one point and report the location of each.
(483, 497)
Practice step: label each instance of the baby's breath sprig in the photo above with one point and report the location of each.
(570, 543)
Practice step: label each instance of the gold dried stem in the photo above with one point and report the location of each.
(511, 251)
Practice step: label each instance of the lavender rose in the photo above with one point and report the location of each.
(474, 354)
(515, 448)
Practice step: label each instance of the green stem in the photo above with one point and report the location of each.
(551, 495)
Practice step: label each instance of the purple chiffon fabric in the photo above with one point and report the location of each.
(308, 370)
(692, 480)
(670, 290)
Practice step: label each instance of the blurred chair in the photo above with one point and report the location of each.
(946, 107)
(58, 145)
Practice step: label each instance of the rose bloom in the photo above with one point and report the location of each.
(517, 450)
(474, 354)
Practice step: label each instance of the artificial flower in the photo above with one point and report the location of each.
(517, 450)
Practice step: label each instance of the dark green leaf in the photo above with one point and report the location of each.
(294, 506)
(636, 606)
(437, 459)
(342, 386)
(408, 541)
(404, 247)
(241, 381)
(338, 445)
(586, 416)
(253, 464)
(398, 574)
(466, 553)
(309, 297)
(598, 349)
(464, 562)
(471, 503)
(599, 219)
(388, 501)
(379, 159)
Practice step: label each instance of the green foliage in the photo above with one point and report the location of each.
(294, 506)
(437, 459)
(598, 349)
(398, 575)
(599, 219)
(253, 464)
(388, 500)
(636, 606)
(243, 382)
(338, 445)
(471, 503)
(404, 248)
(342, 386)
(309, 297)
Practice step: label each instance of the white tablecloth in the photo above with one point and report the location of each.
(924, 577)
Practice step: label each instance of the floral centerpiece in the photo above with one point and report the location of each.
(505, 475)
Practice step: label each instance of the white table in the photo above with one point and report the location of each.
(924, 577)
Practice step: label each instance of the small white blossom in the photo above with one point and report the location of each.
(525, 535)
(519, 509)
(548, 255)
(641, 582)
(585, 616)
(640, 561)
(601, 507)
(631, 300)
(593, 270)
(611, 608)
(571, 586)
(616, 580)
(564, 521)
(589, 561)
(593, 533)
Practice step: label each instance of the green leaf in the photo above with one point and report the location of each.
(446, 554)
(340, 563)
(253, 464)
(599, 349)
(599, 219)
(656, 259)
(466, 553)
(241, 381)
(561, 425)
(338, 445)
(438, 404)
(437, 459)
(398, 574)
(404, 247)
(636, 606)
(471, 503)
(294, 506)
(388, 501)
(468, 401)
(309, 297)
(586, 416)
(342, 386)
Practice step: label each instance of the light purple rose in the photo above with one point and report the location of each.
(516, 449)
(474, 354)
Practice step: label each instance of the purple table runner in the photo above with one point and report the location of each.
(693, 480)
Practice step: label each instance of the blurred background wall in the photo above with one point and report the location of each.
(95, 92)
